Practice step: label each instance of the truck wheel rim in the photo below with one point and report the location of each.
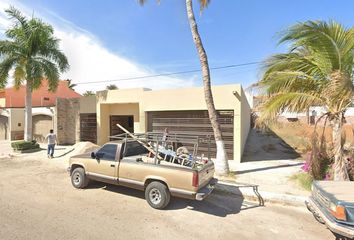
(76, 179)
(155, 196)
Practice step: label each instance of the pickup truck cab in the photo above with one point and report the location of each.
(127, 163)
(332, 203)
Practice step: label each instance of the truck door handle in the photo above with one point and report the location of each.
(113, 165)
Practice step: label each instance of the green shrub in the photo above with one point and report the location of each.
(304, 180)
(24, 145)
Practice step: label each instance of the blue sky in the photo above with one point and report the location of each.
(157, 39)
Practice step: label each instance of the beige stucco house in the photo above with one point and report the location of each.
(178, 110)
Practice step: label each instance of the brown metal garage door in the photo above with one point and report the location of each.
(88, 127)
(4, 127)
(41, 126)
(196, 123)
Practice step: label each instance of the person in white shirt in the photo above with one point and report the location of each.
(52, 139)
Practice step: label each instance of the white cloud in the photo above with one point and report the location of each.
(90, 61)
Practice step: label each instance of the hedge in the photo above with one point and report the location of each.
(24, 145)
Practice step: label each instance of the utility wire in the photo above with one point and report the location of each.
(169, 74)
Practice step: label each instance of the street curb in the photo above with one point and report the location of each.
(250, 192)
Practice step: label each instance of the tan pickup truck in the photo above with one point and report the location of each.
(129, 163)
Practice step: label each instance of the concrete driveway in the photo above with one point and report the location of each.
(37, 201)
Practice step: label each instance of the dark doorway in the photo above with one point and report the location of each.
(126, 121)
(88, 127)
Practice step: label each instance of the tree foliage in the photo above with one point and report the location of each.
(31, 51)
(112, 87)
(88, 93)
(316, 71)
(70, 84)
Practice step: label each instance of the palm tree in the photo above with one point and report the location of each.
(32, 52)
(112, 87)
(70, 84)
(316, 71)
(88, 93)
(221, 163)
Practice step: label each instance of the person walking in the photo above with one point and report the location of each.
(52, 139)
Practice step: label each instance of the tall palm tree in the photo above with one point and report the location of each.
(221, 164)
(316, 71)
(32, 52)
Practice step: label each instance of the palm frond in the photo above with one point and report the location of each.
(329, 39)
(14, 13)
(318, 69)
(50, 70)
(291, 81)
(289, 101)
(5, 66)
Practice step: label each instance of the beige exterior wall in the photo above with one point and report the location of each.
(107, 110)
(245, 120)
(88, 104)
(16, 123)
(17, 119)
(137, 102)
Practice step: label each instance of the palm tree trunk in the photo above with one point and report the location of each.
(340, 169)
(221, 164)
(28, 112)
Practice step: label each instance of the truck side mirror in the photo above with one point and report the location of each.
(93, 155)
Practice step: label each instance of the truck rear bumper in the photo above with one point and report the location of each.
(206, 191)
(199, 195)
(334, 226)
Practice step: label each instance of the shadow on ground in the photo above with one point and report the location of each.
(266, 145)
(219, 203)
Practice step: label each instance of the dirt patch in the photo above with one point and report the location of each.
(298, 135)
(261, 146)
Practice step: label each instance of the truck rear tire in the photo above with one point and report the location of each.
(78, 178)
(157, 195)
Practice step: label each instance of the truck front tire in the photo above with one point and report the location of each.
(78, 178)
(157, 195)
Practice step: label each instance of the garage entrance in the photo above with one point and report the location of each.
(41, 126)
(4, 127)
(196, 123)
(126, 121)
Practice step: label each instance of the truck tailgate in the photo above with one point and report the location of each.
(206, 174)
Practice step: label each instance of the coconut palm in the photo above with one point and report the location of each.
(316, 71)
(32, 52)
(221, 164)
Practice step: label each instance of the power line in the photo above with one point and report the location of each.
(169, 74)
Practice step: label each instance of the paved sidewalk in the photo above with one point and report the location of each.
(269, 178)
